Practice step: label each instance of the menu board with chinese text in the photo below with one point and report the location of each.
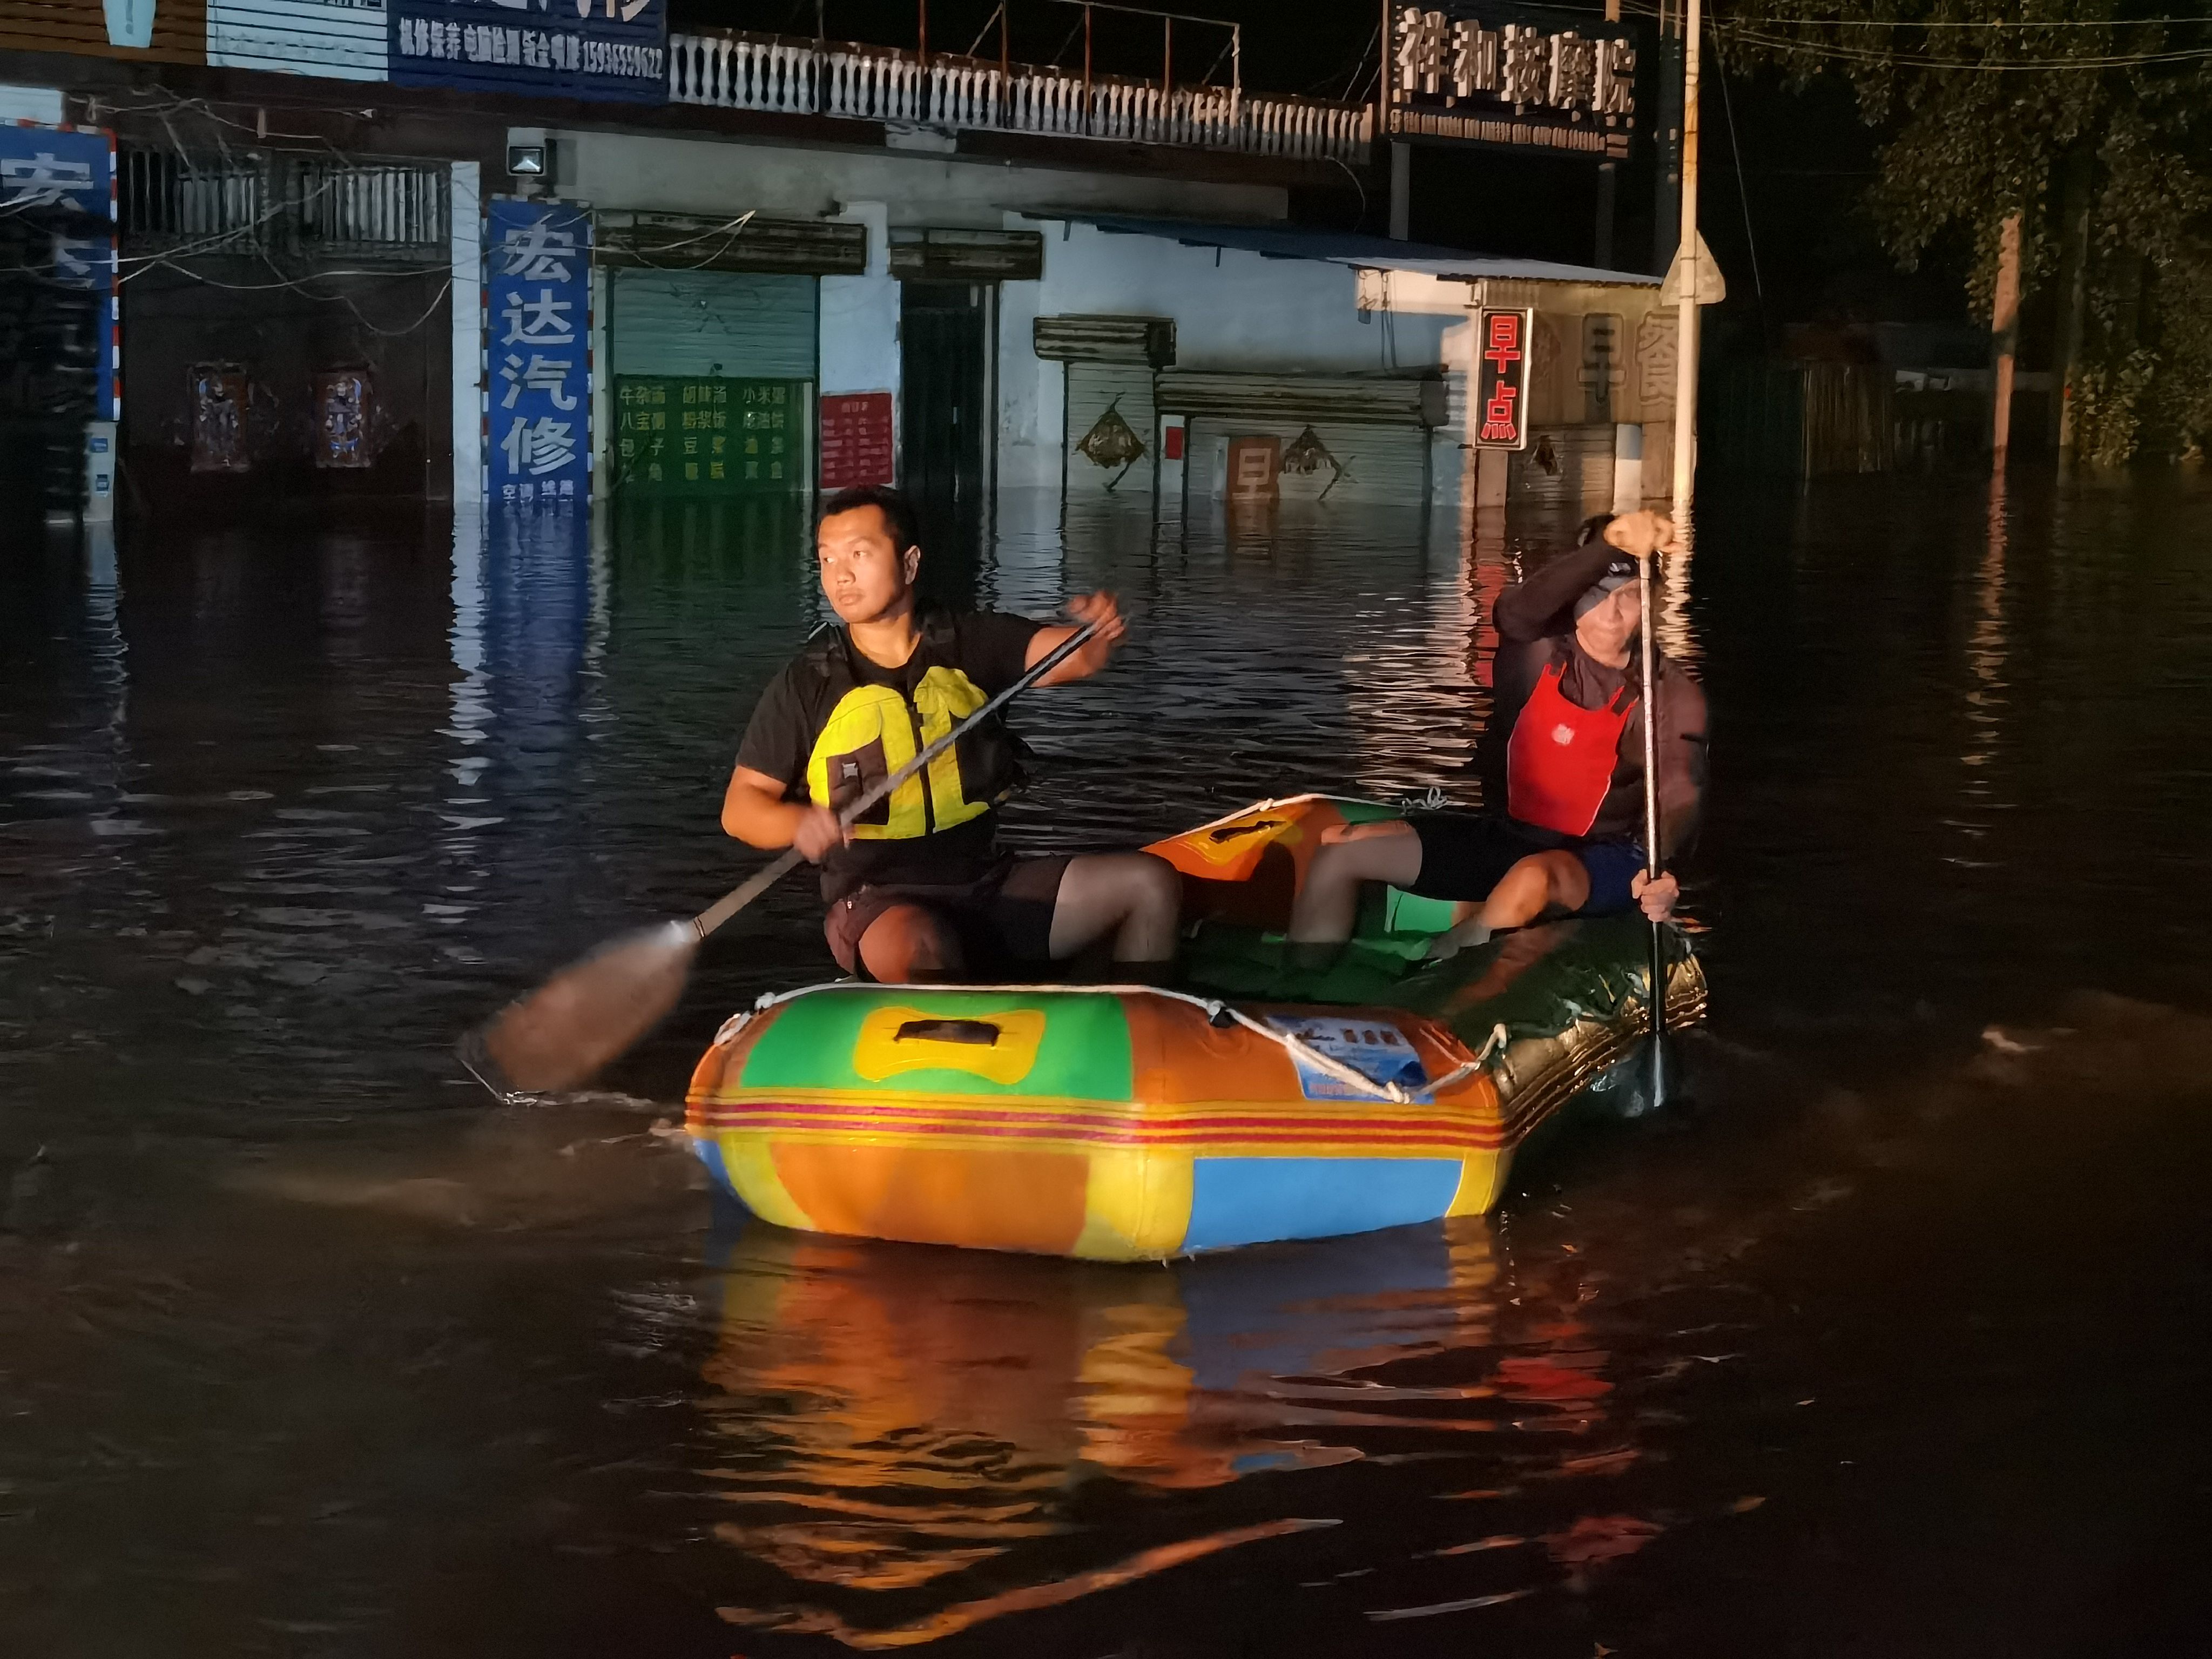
(710, 433)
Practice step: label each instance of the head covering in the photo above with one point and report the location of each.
(1618, 575)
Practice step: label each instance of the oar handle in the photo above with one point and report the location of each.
(738, 897)
(1657, 967)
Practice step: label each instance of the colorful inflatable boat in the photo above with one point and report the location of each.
(1127, 1122)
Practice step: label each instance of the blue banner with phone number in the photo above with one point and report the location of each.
(612, 51)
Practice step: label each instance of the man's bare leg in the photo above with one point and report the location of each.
(1540, 881)
(1328, 901)
(1134, 898)
(907, 945)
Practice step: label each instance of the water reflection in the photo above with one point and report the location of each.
(284, 1315)
(890, 1419)
(1985, 649)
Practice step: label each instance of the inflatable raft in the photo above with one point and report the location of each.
(1129, 1122)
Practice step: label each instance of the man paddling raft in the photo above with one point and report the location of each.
(1571, 841)
(919, 889)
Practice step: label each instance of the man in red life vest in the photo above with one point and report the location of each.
(1571, 842)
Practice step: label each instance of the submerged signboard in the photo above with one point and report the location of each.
(59, 183)
(613, 50)
(538, 368)
(1503, 75)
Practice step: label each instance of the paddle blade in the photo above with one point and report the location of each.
(591, 1011)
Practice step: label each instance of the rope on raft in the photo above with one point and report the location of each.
(1215, 1009)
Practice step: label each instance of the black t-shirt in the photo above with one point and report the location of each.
(902, 843)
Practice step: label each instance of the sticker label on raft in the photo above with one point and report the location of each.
(1373, 1048)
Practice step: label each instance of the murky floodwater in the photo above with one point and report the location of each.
(1885, 1342)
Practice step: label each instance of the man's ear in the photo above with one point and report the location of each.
(910, 562)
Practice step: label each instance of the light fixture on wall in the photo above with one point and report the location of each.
(526, 161)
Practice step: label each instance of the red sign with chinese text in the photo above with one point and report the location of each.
(1501, 377)
(856, 439)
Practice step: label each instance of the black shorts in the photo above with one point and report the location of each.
(1465, 854)
(1003, 920)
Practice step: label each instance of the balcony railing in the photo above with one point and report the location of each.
(729, 70)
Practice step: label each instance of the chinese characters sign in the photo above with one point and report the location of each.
(1518, 83)
(610, 50)
(538, 385)
(61, 180)
(1501, 377)
(856, 439)
(725, 436)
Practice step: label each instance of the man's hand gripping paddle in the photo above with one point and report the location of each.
(597, 1007)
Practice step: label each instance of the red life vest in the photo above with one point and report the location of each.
(1559, 763)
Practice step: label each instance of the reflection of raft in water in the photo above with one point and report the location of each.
(1122, 1123)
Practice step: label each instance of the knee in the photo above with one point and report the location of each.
(1155, 887)
(907, 940)
(1538, 882)
(1337, 863)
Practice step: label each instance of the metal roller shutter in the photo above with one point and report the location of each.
(741, 325)
(735, 349)
(1325, 461)
(1109, 405)
(1578, 477)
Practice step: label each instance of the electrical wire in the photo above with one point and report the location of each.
(299, 285)
(1742, 185)
(1909, 60)
(1989, 23)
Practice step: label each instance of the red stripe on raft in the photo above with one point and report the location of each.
(973, 1114)
(1076, 1126)
(1484, 1138)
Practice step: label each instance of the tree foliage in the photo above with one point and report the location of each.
(1991, 107)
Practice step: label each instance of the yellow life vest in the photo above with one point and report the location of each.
(873, 730)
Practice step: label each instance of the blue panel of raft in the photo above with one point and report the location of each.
(1242, 1200)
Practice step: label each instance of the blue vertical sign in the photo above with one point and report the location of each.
(70, 172)
(538, 365)
(609, 50)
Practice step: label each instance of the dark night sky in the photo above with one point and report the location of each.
(1807, 158)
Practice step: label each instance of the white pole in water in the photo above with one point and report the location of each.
(1686, 314)
(1657, 966)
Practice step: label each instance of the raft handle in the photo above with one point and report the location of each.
(980, 1032)
(1232, 831)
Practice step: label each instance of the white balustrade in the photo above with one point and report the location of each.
(730, 70)
(736, 71)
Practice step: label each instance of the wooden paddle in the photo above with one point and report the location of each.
(595, 1008)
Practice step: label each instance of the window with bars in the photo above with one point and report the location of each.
(178, 202)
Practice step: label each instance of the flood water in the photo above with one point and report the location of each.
(1883, 1341)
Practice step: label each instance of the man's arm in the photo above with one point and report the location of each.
(755, 811)
(1101, 608)
(1543, 604)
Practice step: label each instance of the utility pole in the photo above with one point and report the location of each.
(1666, 131)
(2004, 338)
(1685, 335)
